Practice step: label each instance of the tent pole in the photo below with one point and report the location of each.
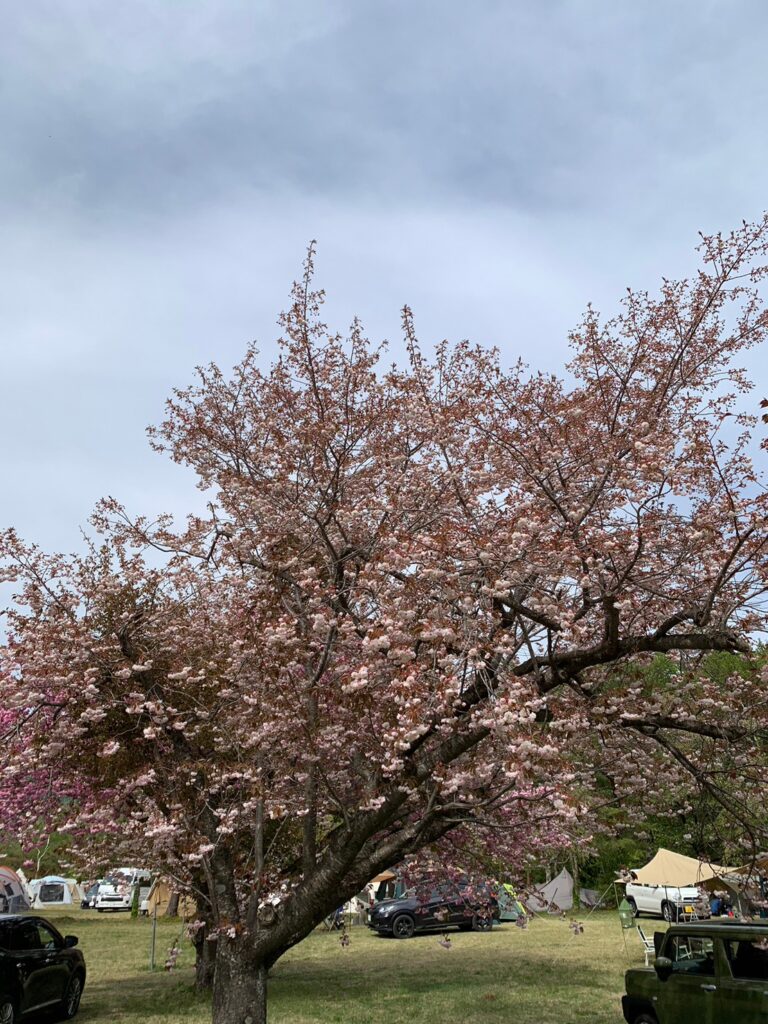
(600, 900)
(576, 881)
(154, 939)
(623, 929)
(624, 937)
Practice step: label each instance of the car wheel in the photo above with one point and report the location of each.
(7, 1012)
(70, 1004)
(481, 923)
(403, 926)
(633, 907)
(668, 912)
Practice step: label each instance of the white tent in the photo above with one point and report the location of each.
(54, 891)
(557, 894)
(675, 869)
(13, 898)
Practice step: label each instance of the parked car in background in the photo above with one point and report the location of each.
(667, 901)
(447, 907)
(707, 972)
(39, 969)
(117, 890)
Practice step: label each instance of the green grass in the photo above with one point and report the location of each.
(544, 975)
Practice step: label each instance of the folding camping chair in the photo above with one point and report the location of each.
(648, 947)
(335, 920)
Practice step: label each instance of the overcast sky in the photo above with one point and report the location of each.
(495, 164)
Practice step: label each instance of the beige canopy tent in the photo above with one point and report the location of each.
(160, 896)
(670, 868)
(385, 886)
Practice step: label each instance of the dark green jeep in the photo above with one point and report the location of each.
(706, 972)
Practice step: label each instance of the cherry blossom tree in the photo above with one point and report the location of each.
(408, 623)
(36, 798)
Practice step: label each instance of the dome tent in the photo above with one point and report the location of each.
(13, 898)
(54, 891)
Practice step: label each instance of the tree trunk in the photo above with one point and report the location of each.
(239, 985)
(172, 910)
(205, 961)
(205, 947)
(576, 882)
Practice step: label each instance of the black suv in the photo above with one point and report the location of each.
(39, 969)
(450, 907)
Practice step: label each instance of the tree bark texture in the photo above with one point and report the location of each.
(205, 961)
(240, 984)
(172, 910)
(205, 947)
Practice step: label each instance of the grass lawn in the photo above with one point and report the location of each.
(544, 975)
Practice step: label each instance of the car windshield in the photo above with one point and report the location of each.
(117, 879)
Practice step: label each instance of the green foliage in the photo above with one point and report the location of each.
(49, 857)
(719, 665)
(611, 855)
(704, 828)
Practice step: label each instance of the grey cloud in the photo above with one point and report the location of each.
(495, 165)
(155, 108)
